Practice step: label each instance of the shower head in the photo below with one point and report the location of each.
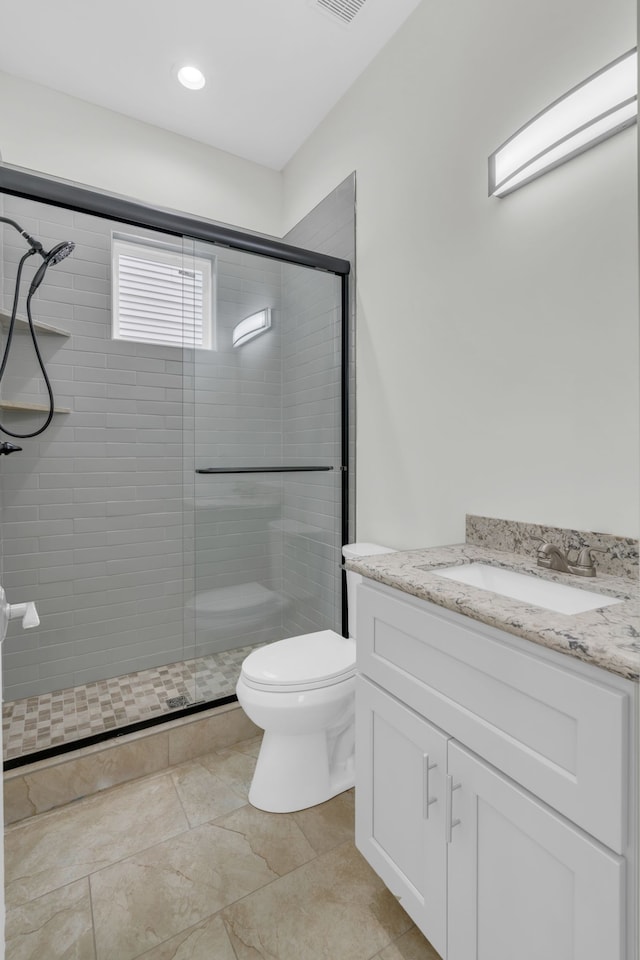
(55, 255)
(59, 252)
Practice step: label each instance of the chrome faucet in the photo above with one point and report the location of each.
(553, 558)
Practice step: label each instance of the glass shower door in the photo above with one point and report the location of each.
(92, 508)
(266, 457)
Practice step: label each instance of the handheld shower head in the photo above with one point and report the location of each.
(59, 252)
(55, 255)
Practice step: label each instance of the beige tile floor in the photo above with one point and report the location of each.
(178, 866)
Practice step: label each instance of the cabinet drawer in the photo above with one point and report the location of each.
(561, 735)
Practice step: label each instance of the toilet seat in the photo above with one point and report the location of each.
(305, 662)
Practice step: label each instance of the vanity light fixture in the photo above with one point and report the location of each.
(251, 327)
(191, 78)
(594, 110)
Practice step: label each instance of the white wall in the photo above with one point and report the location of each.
(497, 342)
(497, 339)
(53, 133)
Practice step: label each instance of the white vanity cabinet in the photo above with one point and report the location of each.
(494, 788)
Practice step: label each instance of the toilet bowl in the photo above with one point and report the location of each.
(300, 691)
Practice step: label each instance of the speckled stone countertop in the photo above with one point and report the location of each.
(608, 637)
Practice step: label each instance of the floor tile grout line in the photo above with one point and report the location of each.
(187, 930)
(246, 896)
(76, 804)
(171, 772)
(87, 876)
(88, 798)
(227, 905)
(93, 920)
(153, 775)
(288, 874)
(301, 866)
(223, 912)
(239, 899)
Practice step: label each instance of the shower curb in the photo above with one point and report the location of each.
(47, 784)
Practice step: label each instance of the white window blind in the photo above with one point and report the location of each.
(160, 296)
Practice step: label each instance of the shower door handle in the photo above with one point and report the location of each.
(263, 469)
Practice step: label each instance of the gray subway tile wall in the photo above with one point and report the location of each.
(129, 554)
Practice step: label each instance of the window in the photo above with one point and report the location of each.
(160, 295)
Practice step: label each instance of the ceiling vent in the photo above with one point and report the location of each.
(343, 10)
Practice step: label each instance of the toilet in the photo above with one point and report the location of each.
(300, 691)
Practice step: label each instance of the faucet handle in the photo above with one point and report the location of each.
(584, 556)
(585, 565)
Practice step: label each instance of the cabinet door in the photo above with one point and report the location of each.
(523, 882)
(400, 780)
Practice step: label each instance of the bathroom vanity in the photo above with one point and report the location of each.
(496, 787)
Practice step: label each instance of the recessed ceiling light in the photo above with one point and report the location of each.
(191, 77)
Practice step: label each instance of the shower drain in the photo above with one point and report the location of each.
(181, 701)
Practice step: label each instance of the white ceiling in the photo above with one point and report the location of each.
(274, 68)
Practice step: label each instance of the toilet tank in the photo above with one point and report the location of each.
(351, 551)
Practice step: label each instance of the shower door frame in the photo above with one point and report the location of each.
(31, 185)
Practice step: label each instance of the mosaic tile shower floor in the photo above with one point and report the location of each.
(52, 719)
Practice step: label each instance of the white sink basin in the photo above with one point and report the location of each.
(529, 589)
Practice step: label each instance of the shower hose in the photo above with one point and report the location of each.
(36, 347)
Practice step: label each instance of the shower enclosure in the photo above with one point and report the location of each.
(189, 499)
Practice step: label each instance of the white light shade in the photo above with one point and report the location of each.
(602, 105)
(191, 77)
(251, 327)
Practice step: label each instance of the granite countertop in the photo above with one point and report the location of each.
(608, 637)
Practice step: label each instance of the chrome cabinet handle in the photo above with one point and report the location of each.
(427, 801)
(450, 823)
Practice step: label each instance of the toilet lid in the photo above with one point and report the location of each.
(304, 661)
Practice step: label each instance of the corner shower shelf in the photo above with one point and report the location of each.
(22, 325)
(24, 407)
